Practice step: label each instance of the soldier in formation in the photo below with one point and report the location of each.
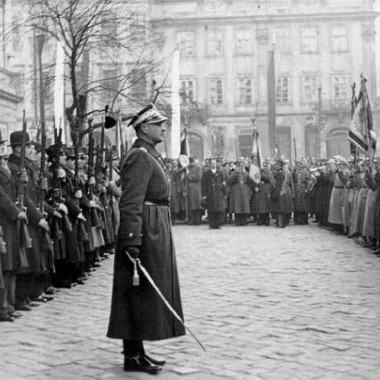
(48, 238)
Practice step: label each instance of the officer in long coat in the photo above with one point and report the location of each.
(301, 176)
(194, 192)
(137, 312)
(213, 191)
(240, 194)
(284, 192)
(260, 200)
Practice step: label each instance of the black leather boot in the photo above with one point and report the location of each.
(155, 361)
(139, 363)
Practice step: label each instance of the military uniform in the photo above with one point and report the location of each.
(137, 312)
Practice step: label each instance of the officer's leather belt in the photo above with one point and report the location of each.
(157, 203)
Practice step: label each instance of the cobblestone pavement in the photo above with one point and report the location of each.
(294, 303)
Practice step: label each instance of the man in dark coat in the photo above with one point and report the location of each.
(36, 220)
(10, 215)
(240, 193)
(260, 200)
(137, 312)
(213, 190)
(301, 177)
(194, 191)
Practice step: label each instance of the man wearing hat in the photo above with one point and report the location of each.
(194, 189)
(9, 217)
(214, 191)
(137, 312)
(24, 177)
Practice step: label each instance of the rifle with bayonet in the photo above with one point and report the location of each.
(81, 231)
(25, 239)
(48, 244)
(57, 188)
(95, 220)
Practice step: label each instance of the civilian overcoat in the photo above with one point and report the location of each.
(213, 188)
(137, 312)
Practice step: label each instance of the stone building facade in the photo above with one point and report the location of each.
(320, 48)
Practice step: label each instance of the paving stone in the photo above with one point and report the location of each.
(298, 303)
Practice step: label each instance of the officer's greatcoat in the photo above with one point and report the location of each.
(137, 312)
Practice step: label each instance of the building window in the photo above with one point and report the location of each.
(186, 43)
(309, 40)
(282, 40)
(245, 90)
(109, 26)
(138, 84)
(16, 33)
(216, 91)
(187, 91)
(110, 83)
(243, 42)
(282, 90)
(309, 89)
(284, 141)
(245, 142)
(214, 42)
(340, 87)
(339, 40)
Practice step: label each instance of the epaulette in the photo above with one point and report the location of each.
(144, 149)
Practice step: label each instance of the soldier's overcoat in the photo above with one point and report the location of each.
(137, 312)
(240, 192)
(194, 178)
(9, 221)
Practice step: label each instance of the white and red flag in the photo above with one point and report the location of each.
(362, 133)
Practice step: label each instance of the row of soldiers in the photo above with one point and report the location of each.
(342, 195)
(56, 224)
(346, 196)
(227, 192)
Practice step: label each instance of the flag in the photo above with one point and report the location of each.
(255, 166)
(271, 96)
(184, 150)
(175, 103)
(354, 101)
(362, 133)
(59, 90)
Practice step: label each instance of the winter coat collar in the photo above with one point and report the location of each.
(139, 143)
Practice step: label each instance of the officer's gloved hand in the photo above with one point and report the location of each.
(133, 252)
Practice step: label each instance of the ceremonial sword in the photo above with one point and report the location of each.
(137, 262)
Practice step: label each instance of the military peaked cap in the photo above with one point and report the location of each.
(148, 115)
